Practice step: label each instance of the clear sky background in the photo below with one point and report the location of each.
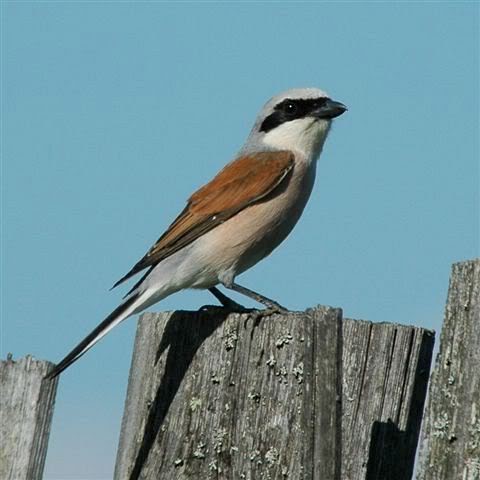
(113, 113)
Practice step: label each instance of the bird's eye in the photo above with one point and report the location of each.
(290, 107)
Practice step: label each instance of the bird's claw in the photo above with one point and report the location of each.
(257, 315)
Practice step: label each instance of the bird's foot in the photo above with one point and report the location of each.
(227, 302)
(257, 315)
(274, 307)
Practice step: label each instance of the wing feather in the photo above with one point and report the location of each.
(243, 182)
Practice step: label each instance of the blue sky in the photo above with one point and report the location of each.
(113, 113)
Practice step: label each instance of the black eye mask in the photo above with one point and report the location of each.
(292, 109)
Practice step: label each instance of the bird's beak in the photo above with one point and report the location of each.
(330, 109)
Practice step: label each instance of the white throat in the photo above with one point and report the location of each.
(304, 135)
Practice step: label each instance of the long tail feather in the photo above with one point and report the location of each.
(118, 315)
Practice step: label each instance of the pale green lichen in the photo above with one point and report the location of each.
(271, 456)
(255, 396)
(195, 403)
(271, 362)
(441, 426)
(298, 372)
(474, 432)
(199, 451)
(230, 339)
(284, 339)
(253, 455)
(218, 439)
(282, 373)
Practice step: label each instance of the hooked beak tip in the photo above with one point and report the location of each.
(331, 109)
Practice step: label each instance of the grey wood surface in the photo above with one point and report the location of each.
(217, 397)
(26, 408)
(451, 432)
(385, 375)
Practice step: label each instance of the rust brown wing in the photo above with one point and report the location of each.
(243, 182)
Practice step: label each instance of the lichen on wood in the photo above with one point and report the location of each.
(223, 396)
(385, 376)
(26, 409)
(451, 432)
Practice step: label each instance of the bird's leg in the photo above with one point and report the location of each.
(272, 306)
(226, 301)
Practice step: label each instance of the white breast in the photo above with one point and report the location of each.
(255, 232)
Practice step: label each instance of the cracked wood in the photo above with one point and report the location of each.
(219, 397)
(385, 375)
(451, 431)
(26, 408)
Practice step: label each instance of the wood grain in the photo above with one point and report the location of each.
(26, 409)
(451, 433)
(213, 396)
(385, 375)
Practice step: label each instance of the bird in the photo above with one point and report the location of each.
(238, 218)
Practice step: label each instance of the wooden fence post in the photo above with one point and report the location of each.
(385, 376)
(26, 408)
(225, 397)
(451, 432)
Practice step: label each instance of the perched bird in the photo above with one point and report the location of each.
(239, 217)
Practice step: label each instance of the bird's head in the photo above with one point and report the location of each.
(297, 120)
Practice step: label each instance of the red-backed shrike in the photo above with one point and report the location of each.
(239, 217)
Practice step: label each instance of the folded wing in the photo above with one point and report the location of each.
(243, 182)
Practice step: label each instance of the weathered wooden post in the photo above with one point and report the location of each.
(26, 408)
(451, 432)
(225, 397)
(385, 376)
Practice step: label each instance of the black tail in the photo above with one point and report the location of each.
(92, 338)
